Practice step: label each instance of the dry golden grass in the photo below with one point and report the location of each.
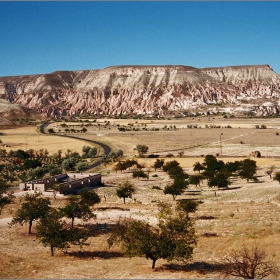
(194, 142)
(245, 213)
(26, 138)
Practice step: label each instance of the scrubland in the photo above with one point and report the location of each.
(245, 213)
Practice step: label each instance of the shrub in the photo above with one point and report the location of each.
(156, 188)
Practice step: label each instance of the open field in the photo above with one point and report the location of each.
(239, 140)
(246, 213)
(26, 138)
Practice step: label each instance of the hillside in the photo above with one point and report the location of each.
(152, 90)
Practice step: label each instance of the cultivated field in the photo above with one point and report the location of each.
(246, 213)
(27, 137)
(239, 140)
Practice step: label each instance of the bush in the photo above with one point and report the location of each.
(169, 155)
(156, 188)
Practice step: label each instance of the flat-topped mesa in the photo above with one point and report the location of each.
(245, 73)
(142, 77)
(151, 89)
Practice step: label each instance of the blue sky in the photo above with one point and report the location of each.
(42, 37)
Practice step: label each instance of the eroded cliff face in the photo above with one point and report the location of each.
(147, 90)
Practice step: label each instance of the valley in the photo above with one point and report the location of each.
(244, 213)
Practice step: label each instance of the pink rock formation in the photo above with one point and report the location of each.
(153, 90)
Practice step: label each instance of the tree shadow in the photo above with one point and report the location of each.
(201, 267)
(112, 208)
(98, 229)
(96, 254)
(205, 217)
(191, 192)
(229, 189)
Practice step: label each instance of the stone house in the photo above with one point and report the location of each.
(68, 184)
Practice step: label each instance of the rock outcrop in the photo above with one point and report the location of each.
(153, 90)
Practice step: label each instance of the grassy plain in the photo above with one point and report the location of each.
(27, 137)
(246, 213)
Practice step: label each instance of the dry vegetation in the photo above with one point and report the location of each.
(246, 213)
(27, 137)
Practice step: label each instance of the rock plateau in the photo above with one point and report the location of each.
(145, 90)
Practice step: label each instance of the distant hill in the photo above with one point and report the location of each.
(146, 90)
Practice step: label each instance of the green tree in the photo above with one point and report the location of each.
(173, 239)
(248, 169)
(75, 208)
(33, 207)
(176, 172)
(53, 232)
(89, 198)
(177, 188)
(5, 196)
(92, 152)
(187, 206)
(168, 166)
(119, 153)
(19, 154)
(195, 179)
(105, 159)
(112, 156)
(85, 150)
(139, 173)
(198, 167)
(142, 149)
(211, 166)
(158, 164)
(68, 164)
(232, 167)
(36, 173)
(277, 177)
(54, 170)
(220, 180)
(32, 163)
(125, 190)
(75, 155)
(81, 166)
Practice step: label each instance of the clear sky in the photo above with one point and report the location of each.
(42, 37)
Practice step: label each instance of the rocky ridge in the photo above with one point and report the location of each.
(149, 90)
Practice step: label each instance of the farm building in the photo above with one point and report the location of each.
(68, 183)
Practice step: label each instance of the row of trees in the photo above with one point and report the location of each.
(51, 229)
(32, 164)
(216, 172)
